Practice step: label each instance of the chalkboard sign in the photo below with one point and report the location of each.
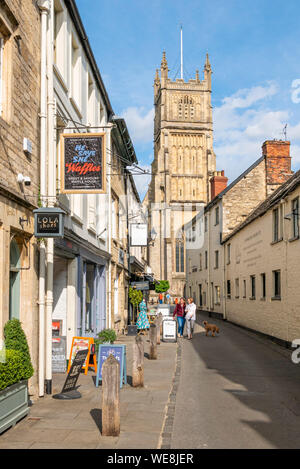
(59, 363)
(119, 352)
(83, 163)
(68, 391)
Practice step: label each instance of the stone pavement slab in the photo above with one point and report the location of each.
(77, 424)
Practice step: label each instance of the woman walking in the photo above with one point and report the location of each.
(179, 311)
(190, 317)
(142, 322)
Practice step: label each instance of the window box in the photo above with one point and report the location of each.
(13, 404)
(293, 239)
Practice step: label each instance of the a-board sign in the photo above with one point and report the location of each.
(119, 352)
(169, 330)
(82, 343)
(59, 359)
(68, 391)
(83, 163)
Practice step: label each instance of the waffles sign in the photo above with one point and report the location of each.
(83, 163)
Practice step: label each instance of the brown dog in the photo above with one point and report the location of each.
(211, 327)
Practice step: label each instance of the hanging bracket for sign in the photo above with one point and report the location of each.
(49, 222)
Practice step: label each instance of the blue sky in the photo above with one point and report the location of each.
(254, 49)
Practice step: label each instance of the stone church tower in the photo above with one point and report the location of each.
(183, 163)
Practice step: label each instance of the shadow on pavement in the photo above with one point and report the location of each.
(263, 380)
(96, 414)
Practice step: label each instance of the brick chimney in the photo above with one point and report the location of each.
(278, 163)
(217, 183)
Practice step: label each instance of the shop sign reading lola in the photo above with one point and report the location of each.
(48, 222)
(83, 163)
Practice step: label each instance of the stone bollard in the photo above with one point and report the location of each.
(138, 363)
(111, 397)
(158, 323)
(153, 342)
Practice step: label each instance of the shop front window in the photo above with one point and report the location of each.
(89, 297)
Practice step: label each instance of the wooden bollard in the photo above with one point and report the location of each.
(111, 397)
(138, 363)
(153, 342)
(158, 323)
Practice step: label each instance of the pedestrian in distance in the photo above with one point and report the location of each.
(142, 322)
(190, 317)
(160, 298)
(179, 311)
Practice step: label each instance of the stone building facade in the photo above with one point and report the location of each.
(207, 257)
(19, 159)
(183, 163)
(263, 269)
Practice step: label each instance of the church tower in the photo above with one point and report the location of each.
(183, 163)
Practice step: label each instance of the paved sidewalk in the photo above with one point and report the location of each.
(77, 424)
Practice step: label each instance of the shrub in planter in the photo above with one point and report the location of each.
(15, 339)
(12, 370)
(107, 335)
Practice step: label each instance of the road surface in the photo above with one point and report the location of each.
(236, 391)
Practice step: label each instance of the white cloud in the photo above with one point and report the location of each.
(243, 122)
(140, 123)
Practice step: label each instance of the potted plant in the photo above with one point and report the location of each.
(15, 369)
(107, 336)
(135, 297)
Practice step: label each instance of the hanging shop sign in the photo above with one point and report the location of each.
(140, 285)
(83, 343)
(138, 234)
(119, 352)
(49, 222)
(83, 163)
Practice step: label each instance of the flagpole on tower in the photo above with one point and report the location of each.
(181, 54)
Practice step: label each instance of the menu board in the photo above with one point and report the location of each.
(74, 371)
(119, 352)
(169, 330)
(59, 362)
(83, 163)
(83, 343)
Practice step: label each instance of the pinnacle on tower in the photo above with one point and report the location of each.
(197, 76)
(156, 79)
(164, 68)
(164, 63)
(207, 66)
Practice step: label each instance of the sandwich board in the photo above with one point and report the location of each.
(81, 343)
(119, 352)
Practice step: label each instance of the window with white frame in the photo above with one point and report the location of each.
(76, 72)
(59, 45)
(295, 215)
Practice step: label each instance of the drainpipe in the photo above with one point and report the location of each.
(109, 158)
(44, 10)
(51, 200)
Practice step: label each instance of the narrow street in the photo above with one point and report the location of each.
(236, 391)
